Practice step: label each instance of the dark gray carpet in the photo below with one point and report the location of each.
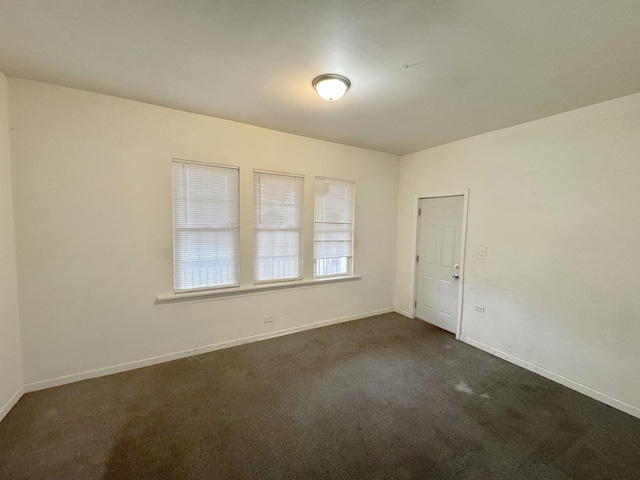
(379, 398)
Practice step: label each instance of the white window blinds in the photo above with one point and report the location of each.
(205, 225)
(333, 227)
(277, 226)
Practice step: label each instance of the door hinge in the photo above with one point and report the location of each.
(415, 304)
(420, 211)
(417, 258)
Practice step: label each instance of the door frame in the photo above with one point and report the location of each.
(463, 245)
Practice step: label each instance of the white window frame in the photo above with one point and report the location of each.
(182, 196)
(320, 221)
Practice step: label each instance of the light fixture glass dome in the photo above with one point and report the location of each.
(331, 86)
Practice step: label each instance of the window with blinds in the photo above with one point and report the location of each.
(205, 225)
(277, 226)
(333, 227)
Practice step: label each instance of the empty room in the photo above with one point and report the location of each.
(391, 239)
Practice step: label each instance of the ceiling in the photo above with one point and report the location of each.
(423, 73)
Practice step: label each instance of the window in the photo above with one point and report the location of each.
(333, 227)
(277, 226)
(205, 225)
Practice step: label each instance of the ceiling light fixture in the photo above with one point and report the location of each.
(331, 86)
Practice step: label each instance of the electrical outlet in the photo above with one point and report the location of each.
(479, 308)
(268, 319)
(482, 251)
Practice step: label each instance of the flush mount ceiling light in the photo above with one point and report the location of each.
(331, 86)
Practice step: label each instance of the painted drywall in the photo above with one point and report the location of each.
(10, 349)
(556, 204)
(92, 193)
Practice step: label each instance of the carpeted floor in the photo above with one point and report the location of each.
(381, 398)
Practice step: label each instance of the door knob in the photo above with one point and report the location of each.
(455, 275)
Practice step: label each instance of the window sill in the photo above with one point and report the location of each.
(252, 290)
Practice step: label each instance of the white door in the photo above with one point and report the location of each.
(438, 261)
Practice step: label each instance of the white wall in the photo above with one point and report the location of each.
(10, 356)
(557, 203)
(92, 192)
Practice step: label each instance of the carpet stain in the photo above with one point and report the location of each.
(463, 387)
(145, 449)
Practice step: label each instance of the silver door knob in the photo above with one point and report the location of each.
(455, 275)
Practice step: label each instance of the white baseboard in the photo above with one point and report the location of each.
(123, 367)
(403, 312)
(100, 372)
(11, 402)
(588, 391)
